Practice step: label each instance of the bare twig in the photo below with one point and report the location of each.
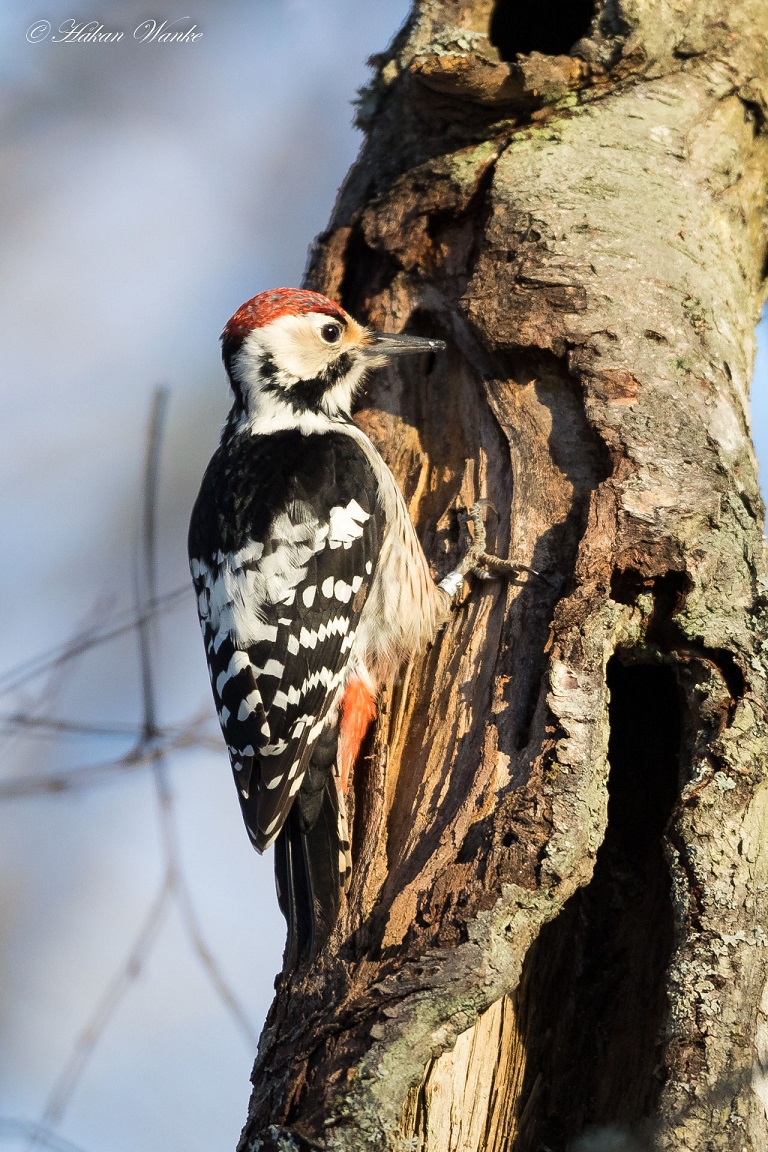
(50, 688)
(104, 771)
(52, 726)
(125, 622)
(61, 1093)
(13, 1129)
(159, 767)
(147, 575)
(154, 743)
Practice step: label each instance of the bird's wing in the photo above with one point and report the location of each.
(282, 572)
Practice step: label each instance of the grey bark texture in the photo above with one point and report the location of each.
(557, 934)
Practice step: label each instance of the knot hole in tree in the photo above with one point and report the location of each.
(591, 1004)
(551, 27)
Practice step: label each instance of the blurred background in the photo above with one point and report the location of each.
(148, 189)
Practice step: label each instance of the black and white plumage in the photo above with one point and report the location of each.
(293, 532)
(312, 586)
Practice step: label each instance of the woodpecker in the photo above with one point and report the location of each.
(312, 586)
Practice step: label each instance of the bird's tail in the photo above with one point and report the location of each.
(312, 857)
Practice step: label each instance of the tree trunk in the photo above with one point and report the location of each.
(557, 917)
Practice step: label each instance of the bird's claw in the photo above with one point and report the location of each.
(478, 561)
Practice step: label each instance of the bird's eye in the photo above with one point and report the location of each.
(331, 333)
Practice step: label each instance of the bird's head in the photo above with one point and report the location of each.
(291, 353)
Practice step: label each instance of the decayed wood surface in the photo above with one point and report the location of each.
(558, 914)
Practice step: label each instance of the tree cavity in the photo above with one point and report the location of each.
(551, 27)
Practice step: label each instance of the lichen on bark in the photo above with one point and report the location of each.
(557, 918)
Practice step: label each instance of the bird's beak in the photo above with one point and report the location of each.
(384, 345)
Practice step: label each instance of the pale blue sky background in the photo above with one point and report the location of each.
(147, 191)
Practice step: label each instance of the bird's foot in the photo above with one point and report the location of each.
(478, 561)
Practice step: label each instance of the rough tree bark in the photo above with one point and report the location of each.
(557, 918)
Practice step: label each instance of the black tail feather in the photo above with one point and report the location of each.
(307, 871)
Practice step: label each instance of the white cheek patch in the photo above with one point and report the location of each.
(339, 397)
(294, 343)
(274, 358)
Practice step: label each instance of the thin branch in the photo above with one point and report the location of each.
(183, 900)
(13, 1129)
(125, 622)
(50, 726)
(147, 582)
(44, 725)
(153, 746)
(87, 775)
(65, 1086)
(159, 767)
(62, 1090)
(51, 687)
